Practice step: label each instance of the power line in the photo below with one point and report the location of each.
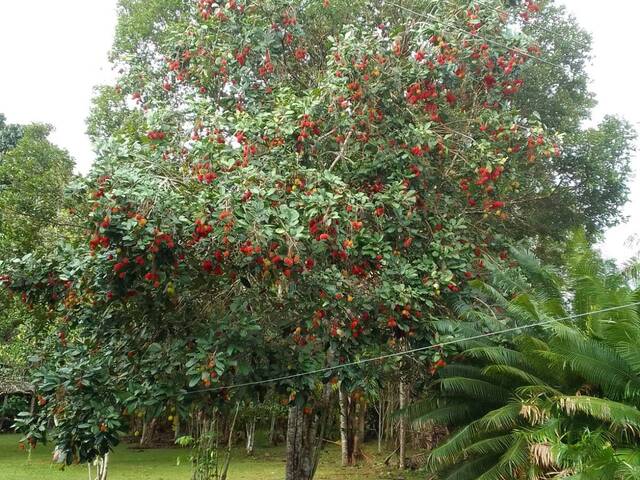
(409, 352)
(488, 40)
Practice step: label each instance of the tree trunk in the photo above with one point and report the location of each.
(272, 430)
(402, 434)
(305, 431)
(102, 466)
(176, 427)
(358, 428)
(143, 436)
(299, 455)
(250, 428)
(322, 421)
(227, 458)
(380, 421)
(352, 425)
(345, 443)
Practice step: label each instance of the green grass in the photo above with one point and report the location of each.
(161, 464)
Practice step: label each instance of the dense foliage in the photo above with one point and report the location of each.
(33, 175)
(591, 178)
(558, 402)
(585, 187)
(281, 188)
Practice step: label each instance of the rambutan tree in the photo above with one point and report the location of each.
(307, 185)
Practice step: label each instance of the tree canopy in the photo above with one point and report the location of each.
(33, 175)
(281, 188)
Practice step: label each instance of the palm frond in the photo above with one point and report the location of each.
(515, 459)
(469, 469)
(514, 376)
(597, 363)
(474, 389)
(493, 423)
(619, 415)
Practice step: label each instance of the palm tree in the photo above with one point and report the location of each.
(561, 401)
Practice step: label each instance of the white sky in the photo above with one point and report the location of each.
(52, 53)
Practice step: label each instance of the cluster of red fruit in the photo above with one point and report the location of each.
(241, 56)
(119, 267)
(485, 174)
(204, 172)
(202, 230)
(356, 324)
(286, 264)
(206, 8)
(153, 277)
(315, 226)
(474, 23)
(441, 363)
(535, 142)
(98, 240)
(209, 267)
(308, 127)
(156, 135)
(421, 92)
(266, 67)
(162, 239)
(532, 8)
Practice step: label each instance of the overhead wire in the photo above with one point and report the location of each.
(408, 352)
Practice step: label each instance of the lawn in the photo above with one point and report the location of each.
(128, 463)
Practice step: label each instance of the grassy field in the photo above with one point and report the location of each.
(162, 464)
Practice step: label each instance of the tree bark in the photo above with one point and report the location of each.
(299, 455)
(305, 430)
(227, 458)
(272, 430)
(346, 445)
(402, 434)
(250, 428)
(358, 428)
(143, 436)
(176, 426)
(352, 425)
(102, 467)
(380, 421)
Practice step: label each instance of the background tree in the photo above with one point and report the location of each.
(33, 175)
(589, 182)
(9, 134)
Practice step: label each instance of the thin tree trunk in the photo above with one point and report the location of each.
(227, 459)
(272, 430)
(148, 429)
(176, 426)
(345, 444)
(251, 435)
(322, 420)
(402, 434)
(102, 467)
(144, 433)
(358, 428)
(380, 421)
(390, 405)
